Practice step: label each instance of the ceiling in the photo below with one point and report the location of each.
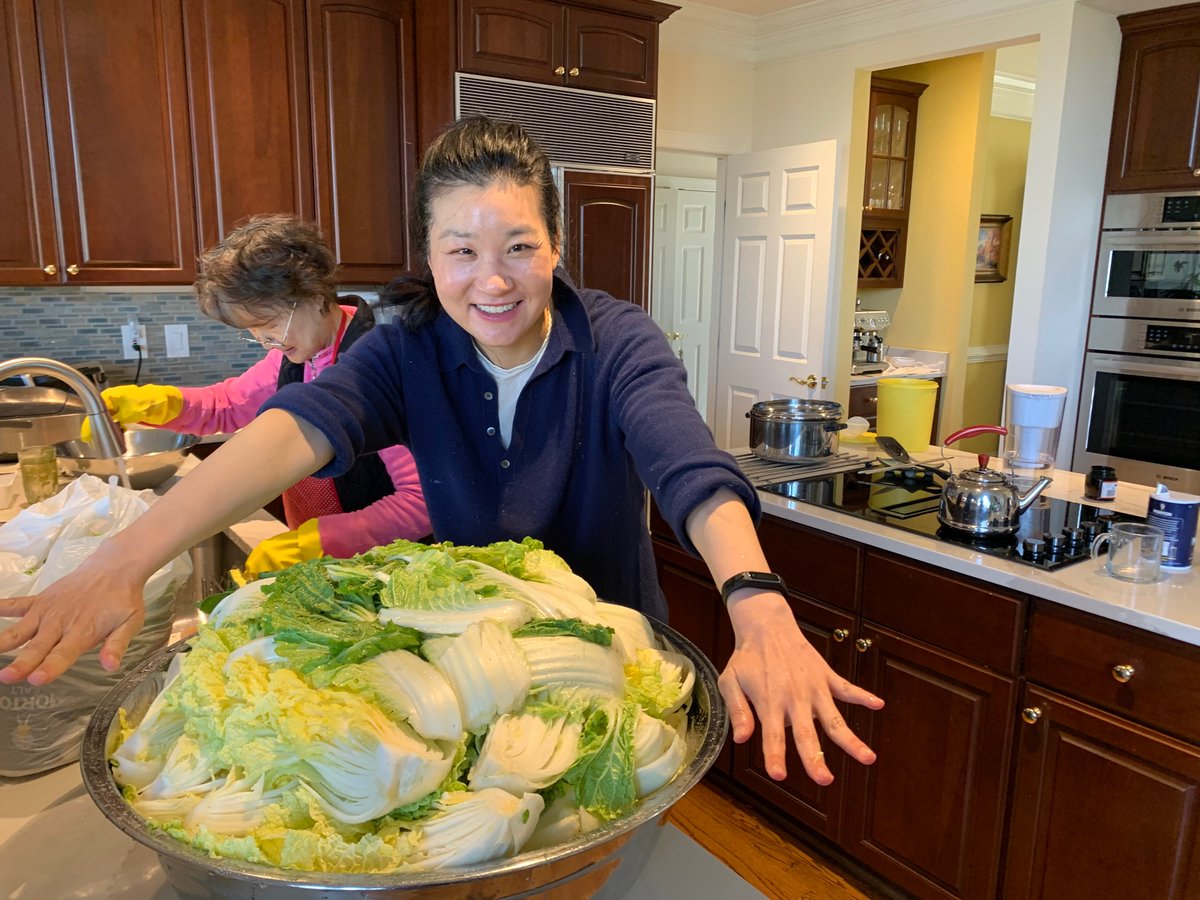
(764, 7)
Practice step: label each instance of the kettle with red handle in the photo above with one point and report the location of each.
(982, 501)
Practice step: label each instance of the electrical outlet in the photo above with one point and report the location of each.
(128, 334)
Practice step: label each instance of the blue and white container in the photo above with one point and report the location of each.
(1176, 514)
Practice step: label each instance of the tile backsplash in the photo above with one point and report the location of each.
(83, 325)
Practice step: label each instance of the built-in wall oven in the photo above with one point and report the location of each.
(1140, 393)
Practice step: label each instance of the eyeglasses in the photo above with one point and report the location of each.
(270, 343)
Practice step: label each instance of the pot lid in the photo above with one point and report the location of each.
(984, 476)
(792, 410)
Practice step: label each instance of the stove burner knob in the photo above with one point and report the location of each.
(1032, 548)
(1054, 544)
(1090, 530)
(1074, 540)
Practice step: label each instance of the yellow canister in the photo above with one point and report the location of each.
(905, 411)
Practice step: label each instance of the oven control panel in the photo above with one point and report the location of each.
(1181, 208)
(1145, 337)
(1172, 339)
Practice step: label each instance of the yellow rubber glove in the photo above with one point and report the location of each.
(154, 404)
(285, 550)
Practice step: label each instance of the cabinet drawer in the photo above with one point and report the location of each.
(812, 563)
(958, 614)
(1078, 654)
(864, 402)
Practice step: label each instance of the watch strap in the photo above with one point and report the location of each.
(764, 581)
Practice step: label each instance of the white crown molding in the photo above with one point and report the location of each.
(987, 353)
(711, 31)
(1012, 96)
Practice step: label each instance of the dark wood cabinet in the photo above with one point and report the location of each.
(248, 91)
(581, 46)
(1101, 807)
(362, 80)
(113, 148)
(887, 188)
(607, 241)
(1155, 143)
(28, 228)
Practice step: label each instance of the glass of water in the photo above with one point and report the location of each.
(39, 473)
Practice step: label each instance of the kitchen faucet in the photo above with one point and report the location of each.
(105, 434)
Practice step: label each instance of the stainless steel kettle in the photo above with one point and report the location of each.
(982, 501)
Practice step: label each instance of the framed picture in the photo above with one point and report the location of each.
(991, 254)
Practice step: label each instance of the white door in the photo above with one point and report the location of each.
(684, 231)
(776, 279)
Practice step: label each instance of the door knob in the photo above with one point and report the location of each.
(673, 335)
(51, 269)
(72, 269)
(809, 382)
(1030, 715)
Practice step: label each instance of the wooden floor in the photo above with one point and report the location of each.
(766, 856)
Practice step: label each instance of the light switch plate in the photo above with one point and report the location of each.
(176, 340)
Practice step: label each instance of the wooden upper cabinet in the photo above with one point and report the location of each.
(608, 232)
(614, 50)
(887, 184)
(251, 133)
(1155, 142)
(98, 188)
(364, 124)
(28, 229)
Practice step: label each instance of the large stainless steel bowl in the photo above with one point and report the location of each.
(152, 455)
(601, 864)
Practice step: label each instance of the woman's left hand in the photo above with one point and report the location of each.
(778, 674)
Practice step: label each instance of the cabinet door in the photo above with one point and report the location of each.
(608, 232)
(364, 125)
(891, 139)
(117, 101)
(864, 402)
(28, 227)
(249, 99)
(1156, 133)
(520, 39)
(1101, 808)
(609, 52)
(928, 815)
(832, 634)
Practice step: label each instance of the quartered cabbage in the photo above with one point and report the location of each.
(415, 707)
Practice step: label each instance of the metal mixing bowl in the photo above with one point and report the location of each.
(152, 455)
(601, 864)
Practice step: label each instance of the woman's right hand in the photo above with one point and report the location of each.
(152, 404)
(98, 603)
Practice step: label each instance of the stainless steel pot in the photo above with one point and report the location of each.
(603, 863)
(983, 502)
(794, 430)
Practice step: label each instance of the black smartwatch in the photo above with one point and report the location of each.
(765, 581)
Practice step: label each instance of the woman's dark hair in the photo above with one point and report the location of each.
(263, 268)
(476, 151)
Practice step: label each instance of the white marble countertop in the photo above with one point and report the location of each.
(1170, 606)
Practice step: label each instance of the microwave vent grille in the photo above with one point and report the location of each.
(574, 127)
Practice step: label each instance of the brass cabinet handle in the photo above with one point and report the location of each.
(1196, 172)
(574, 71)
(863, 644)
(72, 269)
(51, 269)
(840, 634)
(1030, 715)
(1123, 673)
(560, 70)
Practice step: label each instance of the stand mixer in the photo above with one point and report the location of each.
(867, 358)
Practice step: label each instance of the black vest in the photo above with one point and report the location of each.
(368, 479)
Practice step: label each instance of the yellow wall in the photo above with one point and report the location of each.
(1006, 143)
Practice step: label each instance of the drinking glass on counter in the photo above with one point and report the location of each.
(1134, 551)
(39, 473)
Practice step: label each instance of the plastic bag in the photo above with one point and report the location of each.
(40, 727)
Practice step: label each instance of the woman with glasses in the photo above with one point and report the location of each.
(274, 277)
(534, 409)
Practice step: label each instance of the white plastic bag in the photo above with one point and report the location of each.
(40, 727)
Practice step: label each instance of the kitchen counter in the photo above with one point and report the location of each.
(1170, 606)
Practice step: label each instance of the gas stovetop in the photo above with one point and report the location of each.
(1053, 533)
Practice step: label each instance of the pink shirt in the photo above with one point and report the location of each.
(234, 402)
